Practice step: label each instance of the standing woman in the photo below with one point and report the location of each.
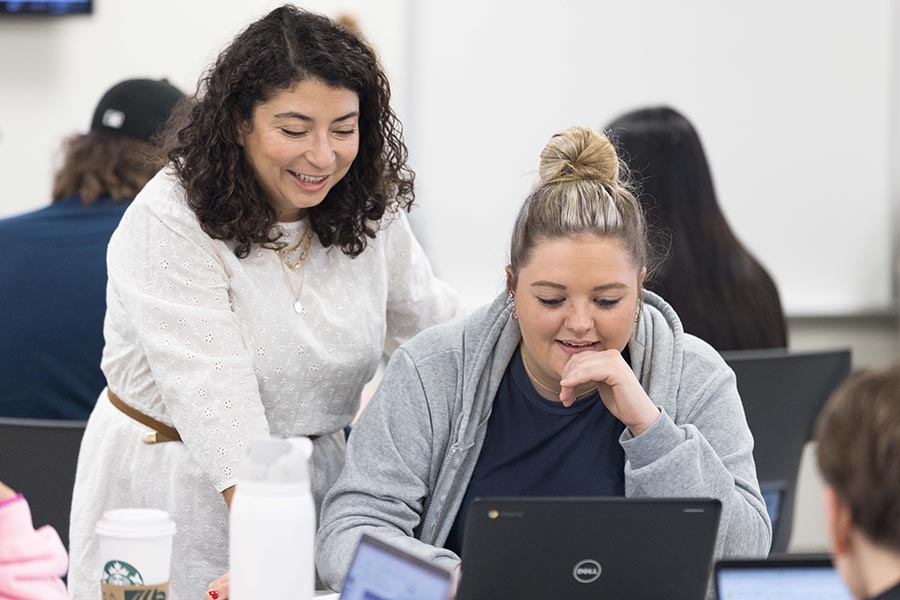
(253, 287)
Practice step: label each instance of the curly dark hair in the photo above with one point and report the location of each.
(285, 47)
(102, 164)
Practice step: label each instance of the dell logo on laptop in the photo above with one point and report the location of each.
(587, 571)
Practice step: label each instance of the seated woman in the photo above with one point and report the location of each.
(576, 382)
(858, 437)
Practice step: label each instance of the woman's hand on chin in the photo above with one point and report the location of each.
(619, 389)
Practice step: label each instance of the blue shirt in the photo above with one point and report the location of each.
(52, 304)
(537, 447)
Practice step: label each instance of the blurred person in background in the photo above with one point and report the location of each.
(53, 266)
(722, 294)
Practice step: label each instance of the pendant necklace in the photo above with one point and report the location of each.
(283, 253)
(546, 388)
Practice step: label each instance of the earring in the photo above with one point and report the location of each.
(637, 315)
(515, 313)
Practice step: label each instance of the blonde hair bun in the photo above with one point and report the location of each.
(579, 153)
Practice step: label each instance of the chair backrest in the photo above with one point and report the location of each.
(783, 393)
(38, 458)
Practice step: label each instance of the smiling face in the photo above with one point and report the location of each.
(300, 144)
(575, 295)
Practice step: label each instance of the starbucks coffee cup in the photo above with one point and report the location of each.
(135, 553)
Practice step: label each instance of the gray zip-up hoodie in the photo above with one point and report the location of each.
(413, 451)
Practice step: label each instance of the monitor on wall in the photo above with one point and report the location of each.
(46, 7)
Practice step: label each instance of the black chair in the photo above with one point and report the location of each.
(38, 458)
(783, 393)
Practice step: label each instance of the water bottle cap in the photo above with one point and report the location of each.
(277, 461)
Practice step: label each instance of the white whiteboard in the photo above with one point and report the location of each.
(793, 101)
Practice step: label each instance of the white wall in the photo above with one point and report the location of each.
(793, 101)
(54, 70)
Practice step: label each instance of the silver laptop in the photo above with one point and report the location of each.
(380, 571)
(589, 548)
(780, 578)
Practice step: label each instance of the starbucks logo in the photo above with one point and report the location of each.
(117, 572)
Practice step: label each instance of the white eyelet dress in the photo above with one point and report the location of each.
(211, 344)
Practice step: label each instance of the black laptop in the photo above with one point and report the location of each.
(784, 578)
(588, 548)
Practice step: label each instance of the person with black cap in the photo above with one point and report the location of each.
(53, 265)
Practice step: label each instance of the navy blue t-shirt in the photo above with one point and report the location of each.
(53, 299)
(537, 447)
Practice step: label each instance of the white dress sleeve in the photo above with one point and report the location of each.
(169, 295)
(416, 298)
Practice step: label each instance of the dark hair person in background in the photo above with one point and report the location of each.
(53, 265)
(254, 285)
(858, 437)
(721, 292)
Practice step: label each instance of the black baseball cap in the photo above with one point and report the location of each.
(136, 108)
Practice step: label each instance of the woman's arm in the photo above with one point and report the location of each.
(392, 458)
(416, 298)
(169, 296)
(708, 454)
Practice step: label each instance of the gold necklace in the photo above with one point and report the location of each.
(286, 251)
(306, 243)
(543, 386)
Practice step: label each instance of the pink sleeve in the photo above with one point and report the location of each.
(31, 562)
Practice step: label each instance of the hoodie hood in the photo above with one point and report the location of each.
(657, 351)
(490, 338)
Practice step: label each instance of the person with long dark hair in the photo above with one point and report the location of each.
(254, 285)
(721, 292)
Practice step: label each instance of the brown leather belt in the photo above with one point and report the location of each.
(161, 432)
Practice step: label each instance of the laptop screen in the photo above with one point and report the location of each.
(585, 548)
(381, 572)
(779, 579)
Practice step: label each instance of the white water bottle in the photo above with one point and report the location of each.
(273, 523)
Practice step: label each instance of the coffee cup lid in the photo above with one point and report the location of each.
(135, 523)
